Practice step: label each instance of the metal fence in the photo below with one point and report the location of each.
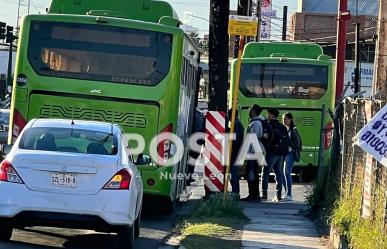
(356, 167)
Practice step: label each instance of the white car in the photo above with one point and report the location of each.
(74, 174)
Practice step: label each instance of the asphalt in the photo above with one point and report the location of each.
(155, 229)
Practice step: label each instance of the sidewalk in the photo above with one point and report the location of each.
(279, 225)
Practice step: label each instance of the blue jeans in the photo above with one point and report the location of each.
(273, 163)
(287, 175)
(234, 180)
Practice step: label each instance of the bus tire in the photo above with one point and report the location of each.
(168, 206)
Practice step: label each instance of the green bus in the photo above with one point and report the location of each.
(293, 77)
(124, 62)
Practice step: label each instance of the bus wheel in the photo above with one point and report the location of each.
(168, 206)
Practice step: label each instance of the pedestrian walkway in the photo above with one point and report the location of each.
(279, 225)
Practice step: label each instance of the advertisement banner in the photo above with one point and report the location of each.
(372, 138)
(266, 8)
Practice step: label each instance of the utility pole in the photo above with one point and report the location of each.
(218, 54)
(284, 22)
(380, 83)
(259, 15)
(29, 6)
(10, 37)
(343, 17)
(357, 58)
(18, 14)
(241, 11)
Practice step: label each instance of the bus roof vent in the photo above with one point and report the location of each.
(280, 49)
(283, 55)
(106, 13)
(169, 21)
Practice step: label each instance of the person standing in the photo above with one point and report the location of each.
(294, 154)
(198, 126)
(256, 128)
(278, 148)
(236, 146)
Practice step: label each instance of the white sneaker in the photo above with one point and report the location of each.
(288, 198)
(275, 199)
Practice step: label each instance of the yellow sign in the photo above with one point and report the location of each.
(243, 25)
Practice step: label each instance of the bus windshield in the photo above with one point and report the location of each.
(283, 80)
(99, 53)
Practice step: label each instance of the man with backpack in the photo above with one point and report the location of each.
(256, 127)
(236, 146)
(277, 148)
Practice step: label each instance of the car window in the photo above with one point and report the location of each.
(69, 140)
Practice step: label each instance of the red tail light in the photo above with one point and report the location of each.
(328, 136)
(164, 146)
(121, 180)
(8, 173)
(18, 124)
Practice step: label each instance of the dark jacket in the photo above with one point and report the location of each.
(295, 143)
(237, 144)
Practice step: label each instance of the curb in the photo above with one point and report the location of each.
(336, 240)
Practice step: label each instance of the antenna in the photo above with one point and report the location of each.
(72, 121)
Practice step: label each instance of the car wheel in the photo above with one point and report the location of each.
(137, 226)
(5, 230)
(126, 237)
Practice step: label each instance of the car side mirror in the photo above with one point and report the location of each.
(143, 160)
(5, 149)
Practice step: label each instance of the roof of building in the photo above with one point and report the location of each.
(365, 7)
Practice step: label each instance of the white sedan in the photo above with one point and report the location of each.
(74, 174)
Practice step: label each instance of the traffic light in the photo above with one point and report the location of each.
(9, 37)
(2, 30)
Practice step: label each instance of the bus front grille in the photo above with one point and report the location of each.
(126, 120)
(305, 121)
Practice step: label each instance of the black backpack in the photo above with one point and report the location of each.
(280, 143)
(267, 134)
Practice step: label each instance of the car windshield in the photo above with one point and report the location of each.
(99, 52)
(286, 81)
(69, 140)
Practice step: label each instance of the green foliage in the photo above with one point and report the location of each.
(322, 198)
(215, 221)
(361, 233)
(218, 205)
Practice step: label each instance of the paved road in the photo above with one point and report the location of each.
(154, 229)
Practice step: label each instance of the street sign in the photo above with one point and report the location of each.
(269, 13)
(372, 138)
(243, 25)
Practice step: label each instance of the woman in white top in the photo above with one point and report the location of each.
(293, 155)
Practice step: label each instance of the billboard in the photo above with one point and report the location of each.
(267, 13)
(4, 53)
(366, 77)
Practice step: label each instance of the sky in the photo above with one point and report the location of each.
(200, 8)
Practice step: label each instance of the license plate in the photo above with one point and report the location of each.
(63, 180)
